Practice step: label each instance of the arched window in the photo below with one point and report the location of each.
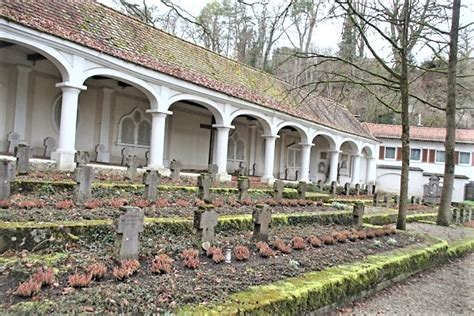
(134, 129)
(236, 148)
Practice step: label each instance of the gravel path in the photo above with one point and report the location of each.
(449, 234)
(445, 290)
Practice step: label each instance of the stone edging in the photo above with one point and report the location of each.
(321, 291)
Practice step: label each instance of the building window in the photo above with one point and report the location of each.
(236, 148)
(134, 129)
(439, 156)
(464, 158)
(415, 154)
(57, 106)
(294, 157)
(390, 152)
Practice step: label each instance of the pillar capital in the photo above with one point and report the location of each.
(335, 151)
(306, 144)
(23, 68)
(223, 126)
(268, 136)
(357, 155)
(66, 85)
(107, 90)
(154, 112)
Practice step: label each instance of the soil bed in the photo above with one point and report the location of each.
(148, 293)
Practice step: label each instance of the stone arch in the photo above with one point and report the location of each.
(141, 85)
(210, 105)
(300, 128)
(368, 149)
(51, 54)
(354, 147)
(328, 137)
(260, 118)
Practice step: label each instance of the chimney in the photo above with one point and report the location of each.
(419, 120)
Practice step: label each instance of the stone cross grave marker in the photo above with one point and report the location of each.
(84, 175)
(358, 214)
(151, 180)
(347, 188)
(243, 184)
(23, 155)
(301, 188)
(82, 157)
(262, 218)
(432, 190)
(375, 199)
(204, 185)
(132, 163)
(278, 187)
(334, 188)
(100, 153)
(13, 140)
(6, 175)
(212, 170)
(175, 167)
(128, 227)
(357, 189)
(386, 201)
(205, 222)
(243, 170)
(126, 152)
(319, 185)
(49, 144)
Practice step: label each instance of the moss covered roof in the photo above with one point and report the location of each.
(101, 28)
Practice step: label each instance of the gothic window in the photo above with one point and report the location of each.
(134, 129)
(236, 148)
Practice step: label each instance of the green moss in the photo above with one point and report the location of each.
(43, 306)
(47, 260)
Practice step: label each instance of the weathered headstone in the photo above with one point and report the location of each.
(175, 167)
(334, 188)
(456, 219)
(6, 175)
(432, 190)
(204, 186)
(128, 227)
(301, 190)
(347, 188)
(396, 200)
(243, 184)
(243, 170)
(49, 146)
(151, 180)
(23, 155)
(126, 152)
(412, 199)
(212, 170)
(375, 199)
(205, 221)
(84, 175)
(13, 141)
(319, 185)
(469, 191)
(278, 187)
(262, 218)
(358, 214)
(100, 153)
(132, 163)
(82, 157)
(386, 201)
(418, 200)
(357, 189)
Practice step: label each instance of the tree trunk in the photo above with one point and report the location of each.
(444, 211)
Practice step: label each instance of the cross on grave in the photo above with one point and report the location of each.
(333, 188)
(204, 185)
(243, 171)
(151, 180)
(301, 187)
(13, 141)
(262, 218)
(319, 185)
(6, 175)
(84, 175)
(347, 188)
(126, 152)
(100, 153)
(132, 163)
(254, 169)
(357, 189)
(358, 214)
(278, 187)
(205, 221)
(175, 167)
(82, 157)
(432, 190)
(243, 184)
(128, 227)
(49, 146)
(212, 170)
(23, 155)
(375, 199)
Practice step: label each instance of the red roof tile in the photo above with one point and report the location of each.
(101, 28)
(419, 133)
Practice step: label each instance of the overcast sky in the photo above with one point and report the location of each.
(326, 35)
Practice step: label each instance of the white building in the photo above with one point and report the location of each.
(86, 75)
(427, 157)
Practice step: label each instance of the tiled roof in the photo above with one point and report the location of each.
(420, 133)
(101, 28)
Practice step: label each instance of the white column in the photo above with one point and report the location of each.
(356, 169)
(253, 141)
(305, 159)
(269, 158)
(282, 154)
(221, 151)
(19, 122)
(333, 165)
(105, 122)
(157, 141)
(371, 170)
(64, 155)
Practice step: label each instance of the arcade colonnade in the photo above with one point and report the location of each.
(76, 64)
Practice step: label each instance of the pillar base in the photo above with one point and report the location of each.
(165, 172)
(267, 179)
(64, 160)
(223, 177)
